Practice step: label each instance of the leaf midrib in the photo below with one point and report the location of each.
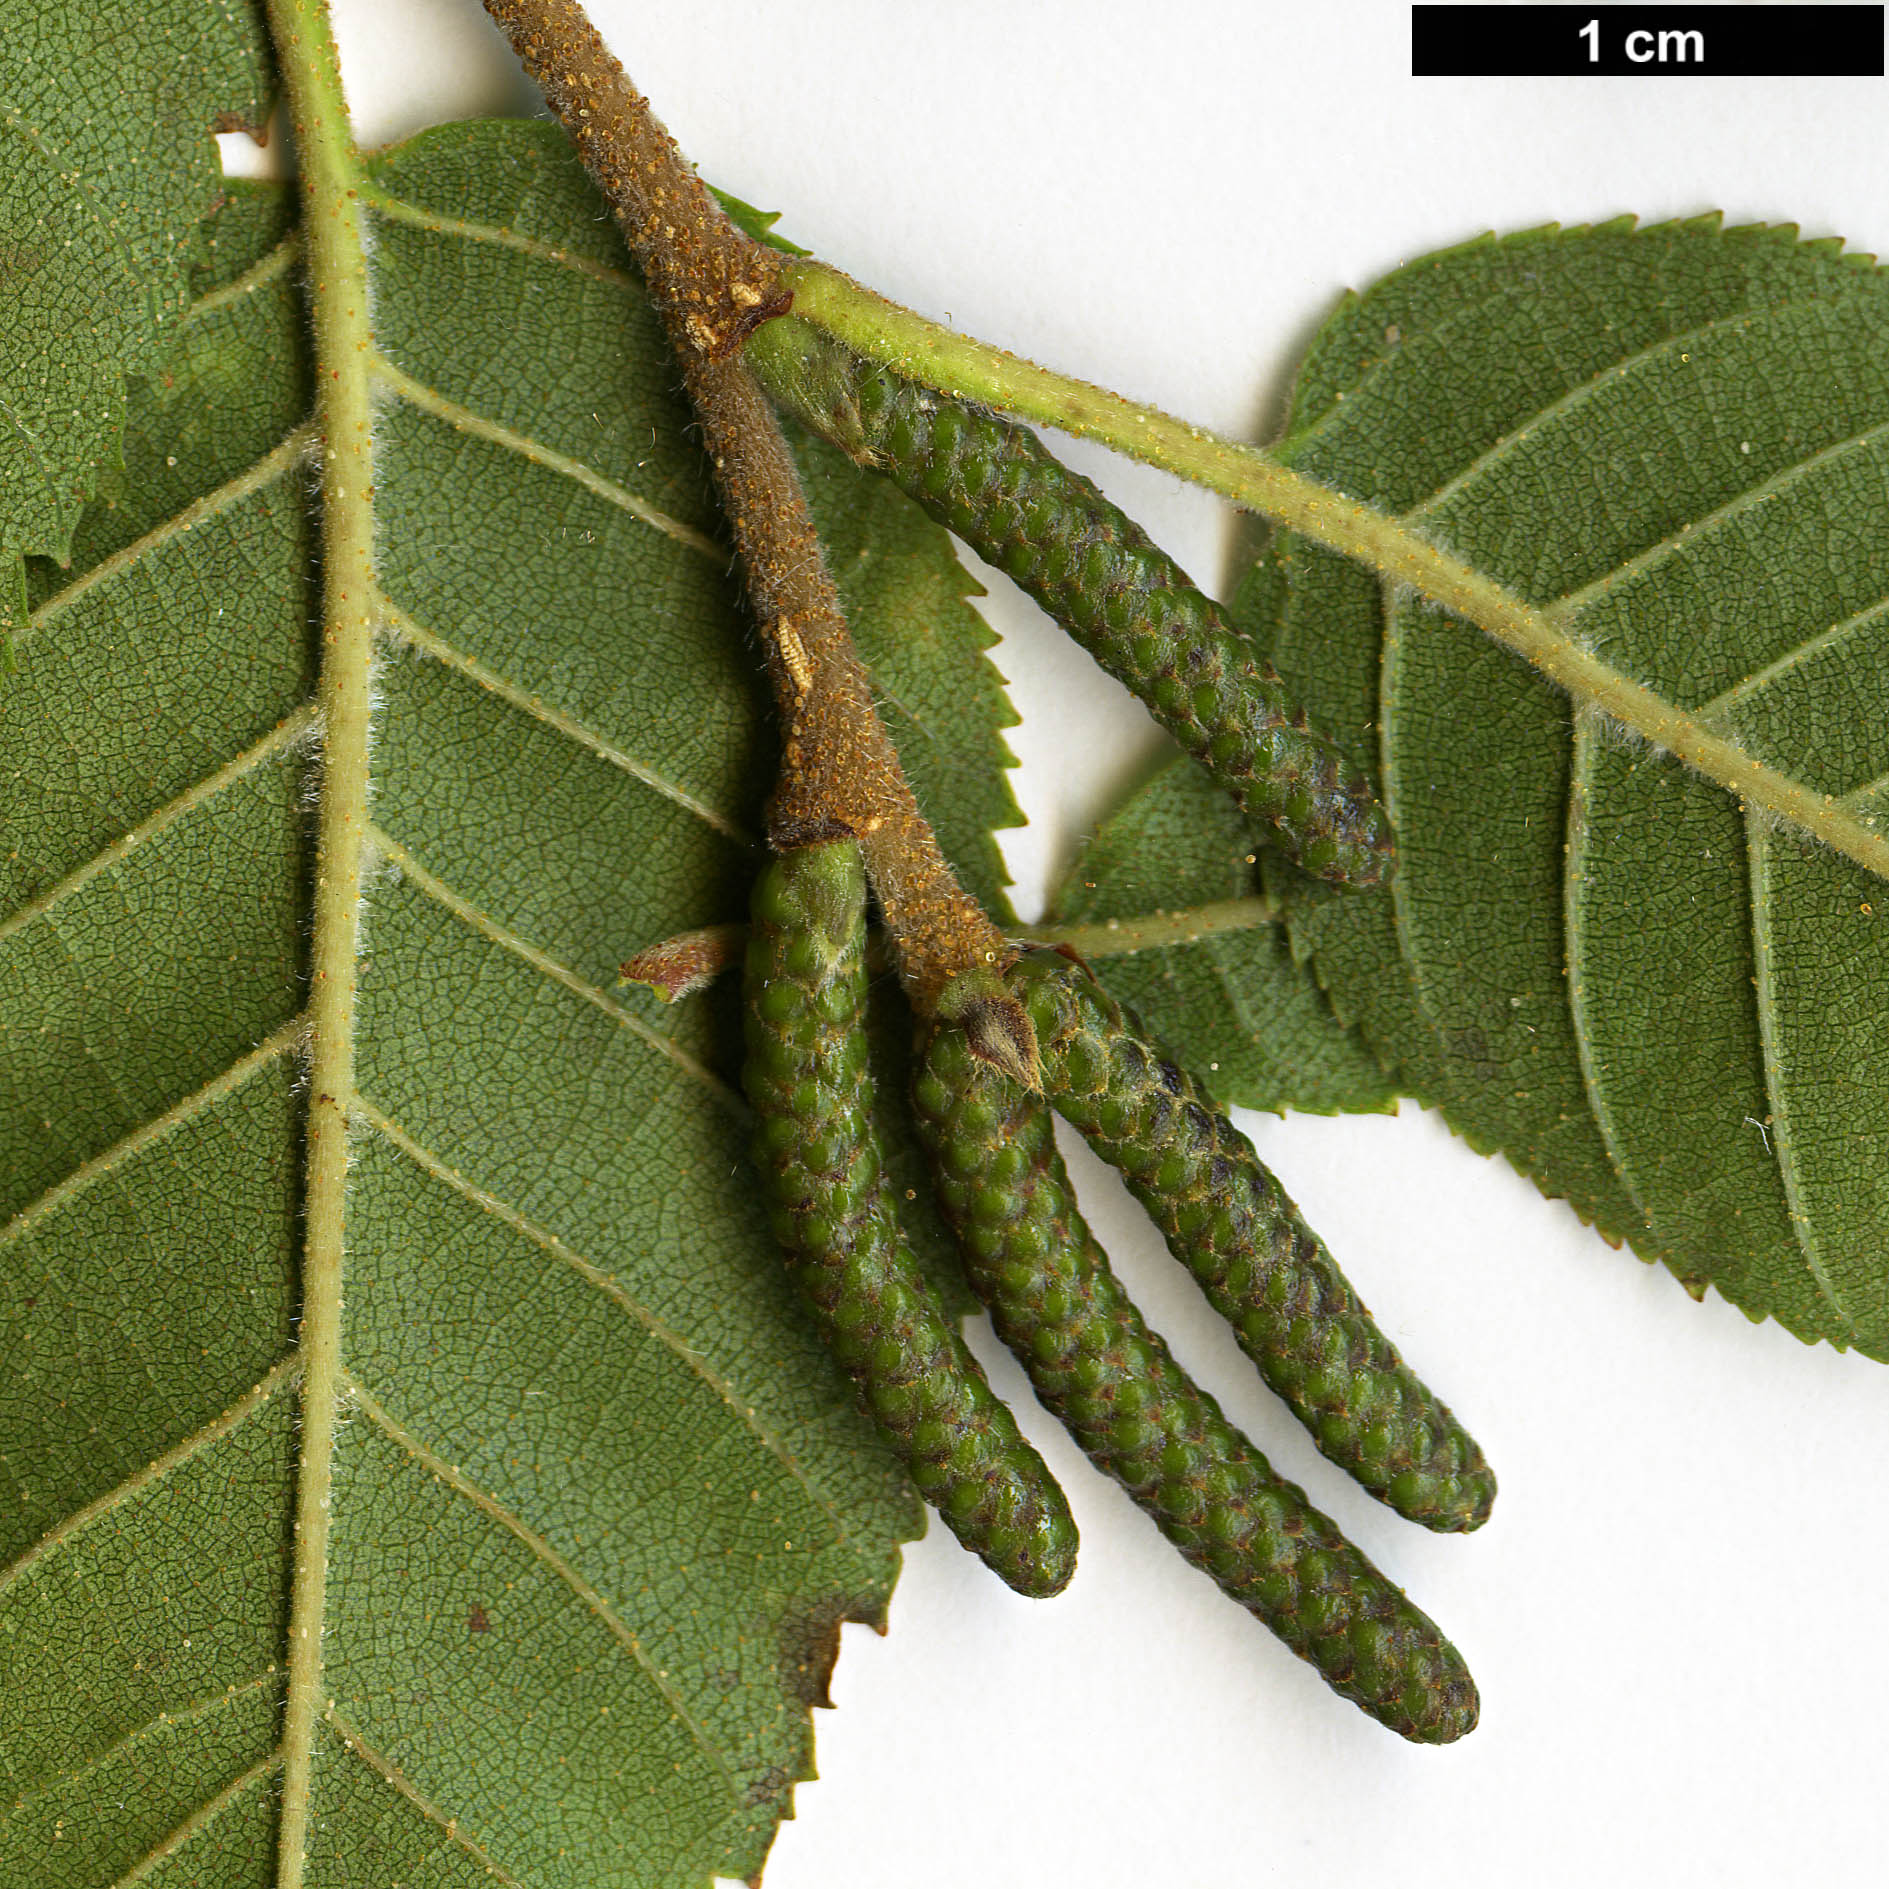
(334, 959)
(288, 1370)
(1693, 729)
(1695, 736)
(1592, 682)
(347, 503)
(338, 296)
(272, 465)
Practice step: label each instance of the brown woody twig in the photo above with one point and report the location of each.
(713, 285)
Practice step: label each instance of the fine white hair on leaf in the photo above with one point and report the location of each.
(301, 1060)
(1609, 731)
(377, 870)
(311, 746)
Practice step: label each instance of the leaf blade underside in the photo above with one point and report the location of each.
(99, 208)
(600, 1500)
(1656, 1001)
(1221, 989)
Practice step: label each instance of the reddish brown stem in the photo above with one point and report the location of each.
(840, 774)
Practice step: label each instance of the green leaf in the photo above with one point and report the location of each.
(599, 1501)
(758, 223)
(109, 170)
(1654, 999)
(1162, 905)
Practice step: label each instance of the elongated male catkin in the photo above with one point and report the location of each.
(1266, 1272)
(832, 1212)
(1139, 1417)
(1098, 574)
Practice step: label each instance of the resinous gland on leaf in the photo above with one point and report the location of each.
(558, 1638)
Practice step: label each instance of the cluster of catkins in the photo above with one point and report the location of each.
(1028, 1254)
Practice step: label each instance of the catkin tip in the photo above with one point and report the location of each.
(1000, 1033)
(996, 1025)
(1451, 1714)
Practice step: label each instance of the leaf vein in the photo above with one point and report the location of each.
(398, 210)
(1585, 738)
(405, 629)
(463, 419)
(284, 735)
(1694, 530)
(1859, 797)
(155, 1470)
(1777, 1090)
(390, 1774)
(279, 1042)
(203, 1708)
(1542, 638)
(542, 1551)
(258, 275)
(198, 1820)
(1399, 552)
(488, 927)
(1152, 931)
(272, 465)
(608, 1284)
(1718, 711)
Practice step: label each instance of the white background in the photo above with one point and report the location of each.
(1676, 1615)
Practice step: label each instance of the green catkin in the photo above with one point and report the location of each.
(1140, 1418)
(832, 1210)
(1226, 1218)
(1099, 575)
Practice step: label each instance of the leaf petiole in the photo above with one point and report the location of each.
(678, 967)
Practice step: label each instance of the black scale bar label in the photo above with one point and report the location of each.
(1646, 41)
